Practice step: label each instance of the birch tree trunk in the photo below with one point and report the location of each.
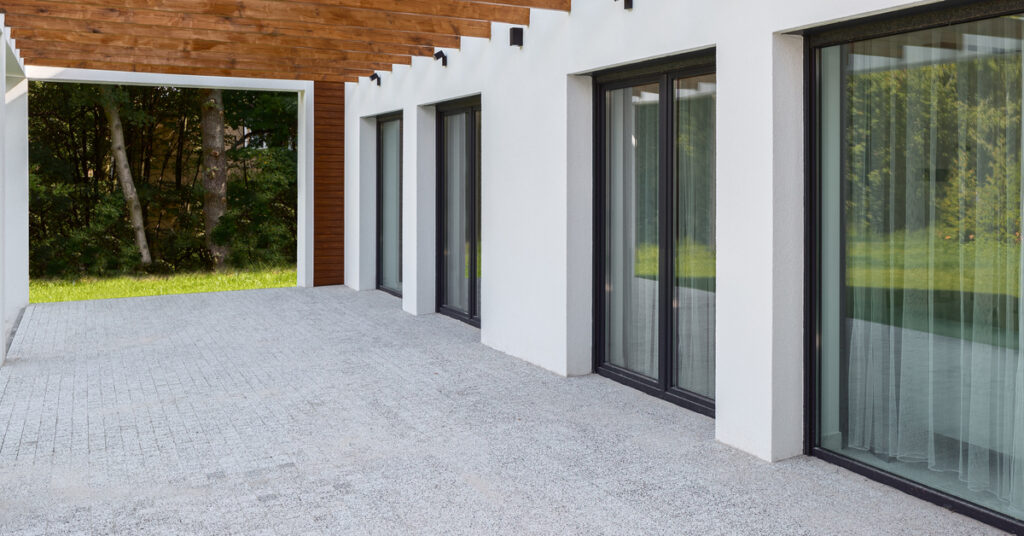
(214, 170)
(124, 175)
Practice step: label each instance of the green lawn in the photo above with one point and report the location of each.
(92, 288)
(920, 261)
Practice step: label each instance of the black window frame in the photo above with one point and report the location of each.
(664, 72)
(904, 21)
(381, 119)
(470, 106)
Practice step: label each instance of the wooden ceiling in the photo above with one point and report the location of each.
(319, 40)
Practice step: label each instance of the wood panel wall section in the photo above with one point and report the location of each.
(328, 183)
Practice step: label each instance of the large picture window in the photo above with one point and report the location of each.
(389, 204)
(918, 288)
(655, 251)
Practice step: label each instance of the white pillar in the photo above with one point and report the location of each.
(419, 210)
(3, 196)
(580, 227)
(760, 382)
(304, 254)
(14, 214)
(361, 203)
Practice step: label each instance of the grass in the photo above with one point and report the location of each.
(693, 260)
(98, 288)
(916, 260)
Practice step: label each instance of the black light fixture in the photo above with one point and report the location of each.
(515, 36)
(627, 4)
(440, 55)
(375, 78)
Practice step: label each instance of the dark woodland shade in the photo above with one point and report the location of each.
(78, 216)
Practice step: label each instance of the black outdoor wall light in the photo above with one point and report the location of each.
(515, 36)
(440, 55)
(627, 4)
(375, 78)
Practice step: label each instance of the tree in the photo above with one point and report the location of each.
(215, 171)
(111, 106)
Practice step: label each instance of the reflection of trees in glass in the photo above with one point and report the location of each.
(933, 176)
(646, 146)
(695, 183)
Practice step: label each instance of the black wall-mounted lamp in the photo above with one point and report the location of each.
(375, 78)
(515, 36)
(440, 55)
(627, 4)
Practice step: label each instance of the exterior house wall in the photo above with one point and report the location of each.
(13, 189)
(537, 140)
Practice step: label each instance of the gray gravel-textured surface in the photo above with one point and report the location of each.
(298, 411)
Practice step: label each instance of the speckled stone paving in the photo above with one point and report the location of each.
(326, 411)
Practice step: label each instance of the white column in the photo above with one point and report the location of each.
(3, 197)
(361, 203)
(580, 227)
(760, 382)
(15, 203)
(305, 150)
(419, 210)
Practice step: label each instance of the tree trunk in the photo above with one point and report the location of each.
(215, 170)
(124, 175)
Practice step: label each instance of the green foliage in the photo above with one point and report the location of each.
(78, 217)
(260, 224)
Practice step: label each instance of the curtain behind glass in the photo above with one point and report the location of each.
(456, 228)
(694, 298)
(928, 381)
(632, 252)
(391, 205)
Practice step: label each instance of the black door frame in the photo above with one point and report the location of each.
(469, 106)
(387, 118)
(918, 18)
(664, 73)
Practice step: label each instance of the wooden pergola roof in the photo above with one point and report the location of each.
(319, 40)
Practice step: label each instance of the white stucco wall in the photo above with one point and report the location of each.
(536, 186)
(13, 188)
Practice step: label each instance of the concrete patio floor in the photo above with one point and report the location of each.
(296, 411)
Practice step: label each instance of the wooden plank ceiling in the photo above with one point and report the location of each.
(319, 40)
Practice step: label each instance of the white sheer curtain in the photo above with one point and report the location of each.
(632, 239)
(456, 177)
(695, 234)
(934, 382)
(391, 204)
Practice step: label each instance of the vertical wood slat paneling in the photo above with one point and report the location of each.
(328, 184)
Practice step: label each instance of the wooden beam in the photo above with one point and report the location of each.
(112, 53)
(276, 12)
(89, 15)
(177, 69)
(555, 5)
(29, 38)
(73, 26)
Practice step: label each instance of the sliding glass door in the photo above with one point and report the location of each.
(389, 204)
(919, 372)
(459, 210)
(656, 227)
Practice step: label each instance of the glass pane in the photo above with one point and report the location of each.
(921, 372)
(476, 189)
(391, 205)
(694, 293)
(456, 225)
(632, 251)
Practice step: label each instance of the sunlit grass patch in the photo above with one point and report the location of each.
(98, 288)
